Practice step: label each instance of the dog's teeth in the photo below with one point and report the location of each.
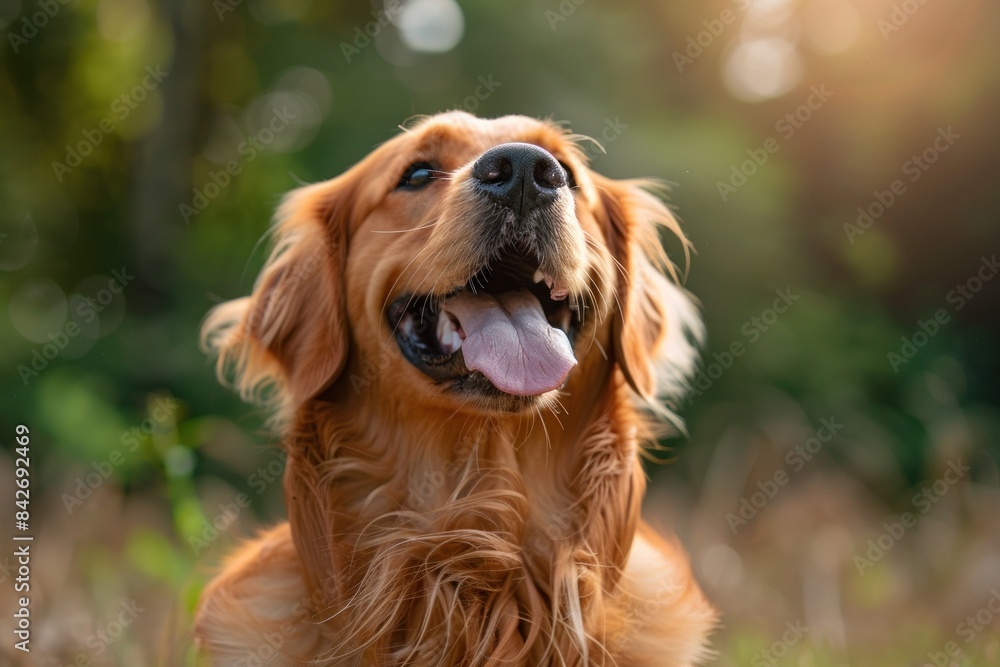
(447, 334)
(537, 278)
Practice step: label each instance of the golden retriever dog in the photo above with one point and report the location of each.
(468, 338)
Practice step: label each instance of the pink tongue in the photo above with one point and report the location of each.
(508, 340)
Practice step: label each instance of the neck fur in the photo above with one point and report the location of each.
(454, 539)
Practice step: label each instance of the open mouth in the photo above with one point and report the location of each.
(508, 329)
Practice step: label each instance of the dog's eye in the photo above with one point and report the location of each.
(416, 176)
(570, 178)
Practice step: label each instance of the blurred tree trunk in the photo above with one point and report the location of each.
(162, 167)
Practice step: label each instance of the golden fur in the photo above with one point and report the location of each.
(429, 530)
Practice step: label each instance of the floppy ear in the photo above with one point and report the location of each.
(291, 333)
(657, 329)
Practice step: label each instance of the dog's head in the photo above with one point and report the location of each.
(468, 264)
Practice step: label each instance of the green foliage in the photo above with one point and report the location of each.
(69, 222)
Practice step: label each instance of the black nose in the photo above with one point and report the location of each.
(522, 177)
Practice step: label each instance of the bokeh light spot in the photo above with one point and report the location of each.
(760, 69)
(431, 26)
(769, 12)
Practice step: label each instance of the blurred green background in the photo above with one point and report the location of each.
(833, 161)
